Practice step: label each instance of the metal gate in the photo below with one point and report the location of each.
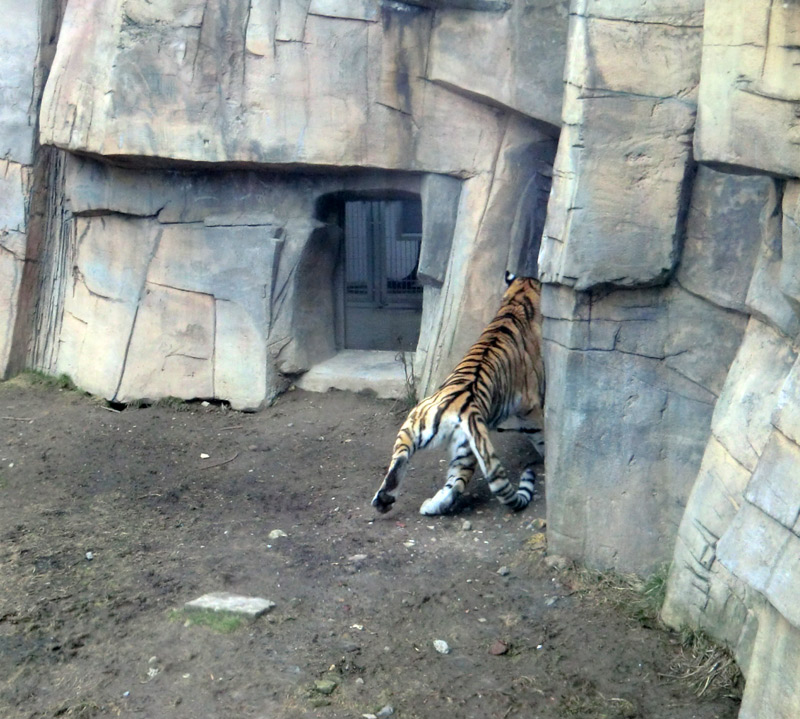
(383, 298)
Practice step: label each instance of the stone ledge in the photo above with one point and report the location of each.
(358, 371)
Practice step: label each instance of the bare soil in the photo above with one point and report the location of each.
(111, 521)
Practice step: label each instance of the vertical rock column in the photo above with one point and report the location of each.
(735, 572)
(631, 380)
(20, 81)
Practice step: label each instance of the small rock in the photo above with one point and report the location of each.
(324, 686)
(537, 524)
(89, 556)
(504, 571)
(441, 646)
(551, 601)
(227, 602)
(360, 681)
(370, 716)
(498, 647)
(466, 526)
(357, 558)
(203, 455)
(556, 561)
(275, 533)
(387, 711)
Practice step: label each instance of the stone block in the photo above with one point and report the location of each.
(101, 303)
(666, 12)
(765, 296)
(242, 374)
(615, 151)
(624, 139)
(91, 187)
(440, 197)
(11, 268)
(14, 191)
(19, 38)
(772, 688)
(726, 224)
(700, 592)
(790, 243)
(235, 603)
(741, 419)
(775, 488)
(348, 9)
(171, 349)
(786, 416)
(638, 467)
(229, 263)
(521, 61)
(655, 360)
(315, 90)
(619, 48)
(747, 114)
(765, 555)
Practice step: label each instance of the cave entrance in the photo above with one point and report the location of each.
(382, 303)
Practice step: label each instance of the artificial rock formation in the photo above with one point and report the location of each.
(171, 236)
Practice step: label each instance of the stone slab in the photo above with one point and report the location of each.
(775, 486)
(747, 115)
(700, 592)
(613, 151)
(790, 242)
(171, 349)
(771, 689)
(521, 61)
(725, 227)
(19, 38)
(766, 555)
(440, 196)
(252, 607)
(357, 371)
(786, 416)
(741, 419)
(765, 296)
(11, 268)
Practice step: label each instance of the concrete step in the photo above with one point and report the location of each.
(358, 370)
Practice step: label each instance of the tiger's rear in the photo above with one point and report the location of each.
(501, 376)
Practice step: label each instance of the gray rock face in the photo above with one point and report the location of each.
(657, 387)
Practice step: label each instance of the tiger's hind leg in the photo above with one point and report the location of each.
(494, 471)
(459, 472)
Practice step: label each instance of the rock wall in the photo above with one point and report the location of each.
(227, 126)
(172, 239)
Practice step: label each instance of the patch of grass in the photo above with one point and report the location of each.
(222, 622)
(36, 377)
(593, 705)
(706, 666)
(639, 598)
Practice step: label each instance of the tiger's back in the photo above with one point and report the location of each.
(502, 375)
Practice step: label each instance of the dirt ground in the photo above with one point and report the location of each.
(110, 521)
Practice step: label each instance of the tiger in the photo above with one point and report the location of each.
(501, 377)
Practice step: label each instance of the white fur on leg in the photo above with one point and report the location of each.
(440, 502)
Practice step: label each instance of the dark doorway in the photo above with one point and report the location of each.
(382, 296)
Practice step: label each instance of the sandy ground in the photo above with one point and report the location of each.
(111, 521)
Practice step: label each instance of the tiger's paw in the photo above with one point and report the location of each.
(383, 501)
(439, 503)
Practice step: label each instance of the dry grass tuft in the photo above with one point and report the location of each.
(707, 667)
